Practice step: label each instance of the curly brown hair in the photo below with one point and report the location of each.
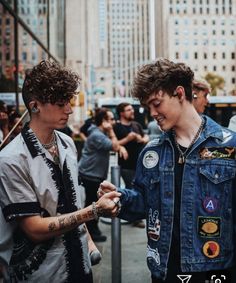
(48, 82)
(162, 75)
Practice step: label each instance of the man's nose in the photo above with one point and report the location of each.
(68, 108)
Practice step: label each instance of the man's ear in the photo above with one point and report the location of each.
(179, 91)
(33, 107)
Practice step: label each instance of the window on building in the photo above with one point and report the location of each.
(214, 68)
(223, 55)
(8, 57)
(223, 68)
(176, 55)
(214, 32)
(24, 56)
(232, 68)
(205, 68)
(195, 55)
(205, 55)
(233, 80)
(214, 55)
(233, 55)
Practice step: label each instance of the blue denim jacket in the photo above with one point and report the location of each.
(208, 201)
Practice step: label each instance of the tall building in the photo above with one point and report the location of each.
(35, 16)
(111, 38)
(201, 33)
(128, 39)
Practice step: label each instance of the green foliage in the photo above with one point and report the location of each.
(216, 82)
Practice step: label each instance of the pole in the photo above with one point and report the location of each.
(16, 55)
(116, 233)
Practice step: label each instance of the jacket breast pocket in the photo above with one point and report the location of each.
(217, 181)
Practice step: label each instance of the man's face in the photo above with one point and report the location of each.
(111, 118)
(54, 116)
(165, 109)
(201, 101)
(128, 113)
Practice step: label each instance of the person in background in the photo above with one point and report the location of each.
(94, 162)
(14, 118)
(43, 236)
(184, 183)
(4, 123)
(84, 129)
(154, 130)
(201, 92)
(131, 135)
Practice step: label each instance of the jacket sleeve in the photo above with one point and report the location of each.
(133, 204)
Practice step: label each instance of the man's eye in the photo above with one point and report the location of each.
(156, 104)
(61, 104)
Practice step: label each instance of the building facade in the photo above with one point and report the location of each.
(201, 33)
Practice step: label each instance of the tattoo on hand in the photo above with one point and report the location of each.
(72, 220)
(61, 221)
(52, 226)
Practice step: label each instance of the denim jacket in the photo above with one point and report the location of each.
(208, 201)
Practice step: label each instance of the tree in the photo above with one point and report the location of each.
(216, 82)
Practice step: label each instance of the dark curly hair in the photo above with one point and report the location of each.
(48, 82)
(162, 75)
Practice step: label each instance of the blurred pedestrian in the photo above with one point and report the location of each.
(184, 183)
(14, 118)
(94, 162)
(201, 93)
(131, 135)
(4, 122)
(85, 128)
(154, 130)
(43, 236)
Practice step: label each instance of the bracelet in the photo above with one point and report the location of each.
(94, 210)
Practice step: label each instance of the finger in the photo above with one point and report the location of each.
(112, 195)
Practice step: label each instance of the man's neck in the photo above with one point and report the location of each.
(125, 122)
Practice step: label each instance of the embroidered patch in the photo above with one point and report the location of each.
(209, 226)
(153, 256)
(150, 159)
(211, 249)
(210, 204)
(217, 152)
(154, 225)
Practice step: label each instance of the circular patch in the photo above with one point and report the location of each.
(210, 204)
(150, 159)
(209, 227)
(211, 249)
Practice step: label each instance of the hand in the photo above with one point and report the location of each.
(123, 153)
(108, 204)
(105, 187)
(131, 136)
(106, 126)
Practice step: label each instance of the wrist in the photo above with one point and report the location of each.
(95, 211)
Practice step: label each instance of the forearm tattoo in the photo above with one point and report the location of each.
(70, 221)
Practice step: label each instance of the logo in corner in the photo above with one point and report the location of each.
(184, 278)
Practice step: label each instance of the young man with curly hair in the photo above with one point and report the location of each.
(184, 183)
(43, 236)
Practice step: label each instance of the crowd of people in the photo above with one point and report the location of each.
(179, 179)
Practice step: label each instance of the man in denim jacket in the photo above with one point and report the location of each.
(184, 184)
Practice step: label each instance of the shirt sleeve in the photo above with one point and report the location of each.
(100, 142)
(17, 196)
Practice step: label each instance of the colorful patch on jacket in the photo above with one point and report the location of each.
(153, 256)
(150, 159)
(211, 249)
(217, 152)
(209, 227)
(154, 225)
(210, 204)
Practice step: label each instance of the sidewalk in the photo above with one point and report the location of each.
(133, 251)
